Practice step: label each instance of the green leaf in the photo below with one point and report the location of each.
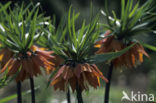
(107, 12)
(125, 17)
(134, 10)
(122, 9)
(20, 21)
(32, 31)
(3, 8)
(109, 56)
(69, 23)
(151, 47)
(73, 28)
(81, 32)
(9, 98)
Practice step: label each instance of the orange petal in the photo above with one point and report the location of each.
(55, 81)
(34, 48)
(97, 72)
(39, 60)
(60, 85)
(45, 54)
(140, 57)
(6, 65)
(88, 67)
(60, 71)
(2, 54)
(97, 46)
(133, 59)
(68, 74)
(15, 68)
(92, 79)
(45, 61)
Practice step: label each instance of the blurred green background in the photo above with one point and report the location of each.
(142, 78)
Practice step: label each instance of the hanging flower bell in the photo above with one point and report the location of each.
(129, 59)
(28, 64)
(82, 74)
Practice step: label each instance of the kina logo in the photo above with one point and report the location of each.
(137, 97)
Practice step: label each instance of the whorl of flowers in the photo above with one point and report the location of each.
(28, 65)
(76, 69)
(18, 54)
(121, 32)
(82, 75)
(129, 59)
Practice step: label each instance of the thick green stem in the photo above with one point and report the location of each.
(107, 89)
(68, 96)
(32, 90)
(19, 94)
(79, 93)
